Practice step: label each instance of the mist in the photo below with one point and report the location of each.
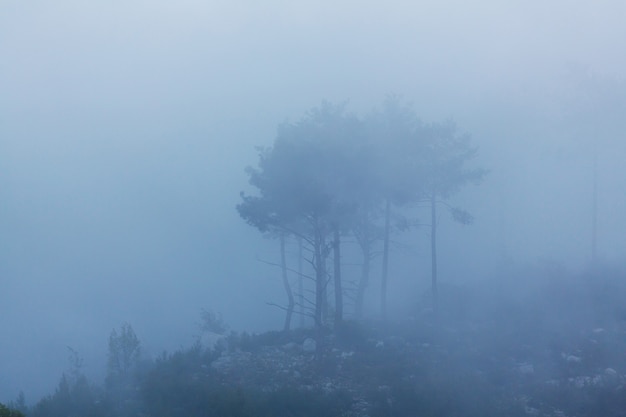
(126, 128)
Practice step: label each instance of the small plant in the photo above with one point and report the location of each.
(212, 322)
(9, 412)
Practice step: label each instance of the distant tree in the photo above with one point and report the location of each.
(76, 364)
(300, 291)
(57, 405)
(121, 384)
(124, 351)
(367, 233)
(72, 397)
(19, 404)
(596, 107)
(397, 174)
(446, 157)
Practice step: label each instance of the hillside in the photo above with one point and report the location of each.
(550, 347)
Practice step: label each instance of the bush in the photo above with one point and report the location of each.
(185, 385)
(8, 412)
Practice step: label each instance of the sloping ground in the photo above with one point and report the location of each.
(555, 346)
(553, 350)
(422, 369)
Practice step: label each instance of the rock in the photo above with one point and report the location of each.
(585, 381)
(309, 345)
(531, 411)
(329, 387)
(221, 363)
(570, 358)
(291, 346)
(526, 368)
(611, 375)
(395, 342)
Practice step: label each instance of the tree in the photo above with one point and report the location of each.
(366, 233)
(124, 351)
(285, 207)
(19, 404)
(332, 175)
(446, 156)
(74, 396)
(595, 108)
(122, 366)
(396, 175)
(286, 284)
(304, 182)
(9, 412)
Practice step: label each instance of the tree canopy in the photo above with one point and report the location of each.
(333, 174)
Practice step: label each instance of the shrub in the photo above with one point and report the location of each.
(8, 412)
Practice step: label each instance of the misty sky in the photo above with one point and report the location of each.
(125, 128)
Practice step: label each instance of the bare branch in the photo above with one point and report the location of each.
(288, 269)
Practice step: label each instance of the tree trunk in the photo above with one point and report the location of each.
(365, 277)
(325, 279)
(365, 244)
(300, 283)
(283, 265)
(594, 218)
(433, 250)
(337, 276)
(320, 278)
(383, 289)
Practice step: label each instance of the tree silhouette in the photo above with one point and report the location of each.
(303, 182)
(332, 175)
(446, 156)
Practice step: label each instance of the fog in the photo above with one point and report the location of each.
(126, 127)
